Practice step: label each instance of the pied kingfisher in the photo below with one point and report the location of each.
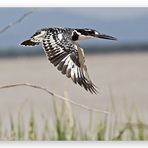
(63, 51)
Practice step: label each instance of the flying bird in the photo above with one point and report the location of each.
(64, 52)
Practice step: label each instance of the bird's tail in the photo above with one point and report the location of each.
(36, 39)
(29, 43)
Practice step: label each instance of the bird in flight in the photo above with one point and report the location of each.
(64, 52)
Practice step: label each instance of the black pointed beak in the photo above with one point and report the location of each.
(103, 36)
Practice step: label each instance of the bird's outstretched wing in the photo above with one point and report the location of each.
(68, 57)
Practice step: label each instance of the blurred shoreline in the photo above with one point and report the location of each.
(11, 52)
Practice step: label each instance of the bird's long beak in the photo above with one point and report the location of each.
(104, 36)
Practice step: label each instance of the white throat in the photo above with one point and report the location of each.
(83, 37)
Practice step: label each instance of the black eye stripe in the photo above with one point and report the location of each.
(86, 31)
(75, 36)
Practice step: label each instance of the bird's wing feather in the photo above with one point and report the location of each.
(63, 53)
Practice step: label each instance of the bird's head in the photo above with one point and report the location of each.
(91, 33)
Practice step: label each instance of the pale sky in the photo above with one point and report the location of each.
(126, 24)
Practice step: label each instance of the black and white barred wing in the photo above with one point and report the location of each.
(68, 57)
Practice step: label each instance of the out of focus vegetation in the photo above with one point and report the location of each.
(66, 126)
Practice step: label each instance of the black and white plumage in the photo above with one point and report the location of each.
(63, 51)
